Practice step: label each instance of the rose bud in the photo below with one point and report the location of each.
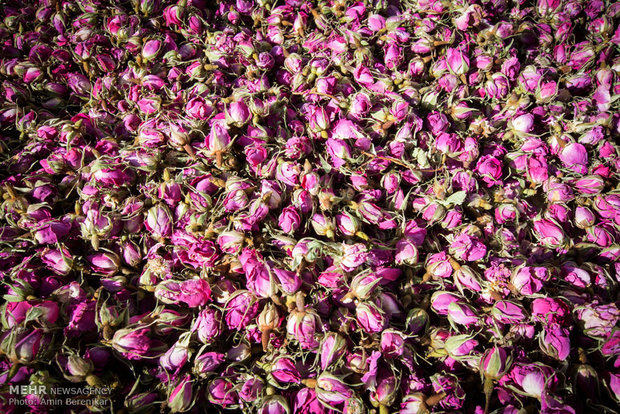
(238, 113)
(441, 300)
(303, 326)
(558, 192)
(290, 282)
(549, 232)
(130, 253)
(106, 263)
(180, 398)
(332, 347)
(348, 225)
(207, 363)
(322, 225)
(142, 401)
(25, 346)
(584, 217)
(241, 308)
(554, 341)
(230, 241)
(353, 256)
(362, 286)
(457, 61)
(275, 404)
(289, 220)
(522, 124)
(417, 321)
(284, 371)
(550, 310)
(590, 184)
(331, 390)
(459, 346)
(151, 49)
(159, 221)
(508, 312)
(60, 261)
(406, 251)
(220, 392)
(192, 292)
(177, 355)
(370, 318)
(529, 280)
(461, 314)
(533, 378)
(586, 380)
(132, 343)
(575, 157)
(392, 343)
(386, 389)
(614, 385)
(466, 279)
(494, 363)
(467, 248)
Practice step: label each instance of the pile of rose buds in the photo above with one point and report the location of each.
(300, 206)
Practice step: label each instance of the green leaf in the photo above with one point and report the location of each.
(457, 198)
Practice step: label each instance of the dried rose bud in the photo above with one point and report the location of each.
(332, 347)
(417, 321)
(331, 389)
(494, 363)
(275, 404)
(181, 397)
(207, 363)
(284, 371)
(370, 317)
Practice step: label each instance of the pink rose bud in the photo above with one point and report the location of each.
(466, 279)
(370, 317)
(290, 282)
(441, 300)
(347, 224)
(523, 123)
(322, 225)
(177, 355)
(275, 404)
(193, 292)
(362, 286)
(332, 347)
(159, 221)
(218, 138)
(392, 343)
(284, 371)
(457, 60)
(506, 213)
(459, 346)
(181, 398)
(106, 263)
(494, 363)
(198, 108)
(467, 248)
(289, 220)
(339, 151)
(332, 390)
(508, 312)
(151, 49)
(303, 327)
(406, 251)
(557, 192)
(462, 314)
(438, 265)
(132, 343)
(230, 241)
(549, 232)
(238, 113)
(550, 310)
(220, 392)
(241, 308)
(575, 157)
(208, 363)
(386, 389)
(533, 378)
(554, 341)
(60, 261)
(207, 325)
(529, 280)
(353, 256)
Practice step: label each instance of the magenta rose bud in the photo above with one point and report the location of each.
(208, 363)
(462, 314)
(332, 390)
(60, 261)
(508, 312)
(457, 60)
(238, 113)
(467, 248)
(159, 221)
(554, 341)
(584, 217)
(106, 263)
(575, 157)
(549, 232)
(275, 404)
(406, 251)
(494, 363)
(207, 325)
(151, 49)
(529, 280)
(370, 317)
(181, 397)
(289, 219)
(440, 301)
(392, 343)
(132, 343)
(332, 347)
(347, 224)
(284, 371)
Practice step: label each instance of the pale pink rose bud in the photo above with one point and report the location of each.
(207, 325)
(406, 251)
(284, 371)
(457, 61)
(494, 363)
(275, 404)
(181, 397)
(177, 355)
(322, 225)
(458, 346)
(362, 286)
(508, 312)
(523, 124)
(466, 279)
(554, 342)
(60, 261)
(549, 232)
(208, 362)
(289, 220)
(392, 343)
(218, 138)
(462, 314)
(159, 221)
(438, 265)
(106, 263)
(332, 347)
(230, 241)
(532, 378)
(376, 22)
(347, 223)
(370, 317)
(303, 327)
(332, 390)
(575, 157)
(353, 256)
(238, 113)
